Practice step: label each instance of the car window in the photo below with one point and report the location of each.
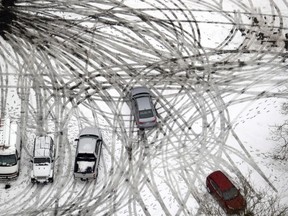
(230, 194)
(41, 160)
(8, 160)
(86, 157)
(97, 147)
(135, 104)
(215, 186)
(34, 147)
(51, 147)
(145, 113)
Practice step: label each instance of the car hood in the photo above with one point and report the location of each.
(9, 169)
(42, 170)
(238, 203)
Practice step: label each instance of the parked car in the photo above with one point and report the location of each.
(43, 160)
(142, 108)
(224, 191)
(89, 146)
(10, 148)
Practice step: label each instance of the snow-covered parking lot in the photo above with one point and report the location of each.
(218, 74)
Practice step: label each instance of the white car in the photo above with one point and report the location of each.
(43, 160)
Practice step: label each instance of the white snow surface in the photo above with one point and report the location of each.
(218, 73)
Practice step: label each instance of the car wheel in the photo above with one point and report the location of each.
(51, 180)
(33, 181)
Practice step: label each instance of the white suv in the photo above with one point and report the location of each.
(43, 160)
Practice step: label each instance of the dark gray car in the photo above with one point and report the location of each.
(89, 145)
(143, 108)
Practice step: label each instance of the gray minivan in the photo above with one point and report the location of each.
(89, 145)
(142, 107)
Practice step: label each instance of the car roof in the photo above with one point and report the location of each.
(8, 136)
(90, 131)
(42, 146)
(139, 90)
(221, 180)
(143, 103)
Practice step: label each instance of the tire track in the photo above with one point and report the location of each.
(85, 56)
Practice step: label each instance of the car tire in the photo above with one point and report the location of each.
(51, 180)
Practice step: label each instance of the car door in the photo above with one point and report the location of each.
(218, 193)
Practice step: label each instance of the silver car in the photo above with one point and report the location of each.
(143, 108)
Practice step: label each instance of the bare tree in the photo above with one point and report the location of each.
(262, 203)
(259, 202)
(280, 135)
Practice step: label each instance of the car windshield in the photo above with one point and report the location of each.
(8, 160)
(230, 194)
(41, 160)
(145, 113)
(85, 157)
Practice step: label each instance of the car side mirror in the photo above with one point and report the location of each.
(31, 161)
(18, 158)
(76, 139)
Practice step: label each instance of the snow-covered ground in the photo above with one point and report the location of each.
(218, 73)
(254, 128)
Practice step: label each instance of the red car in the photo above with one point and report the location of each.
(227, 195)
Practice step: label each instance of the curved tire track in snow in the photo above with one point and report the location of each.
(82, 76)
